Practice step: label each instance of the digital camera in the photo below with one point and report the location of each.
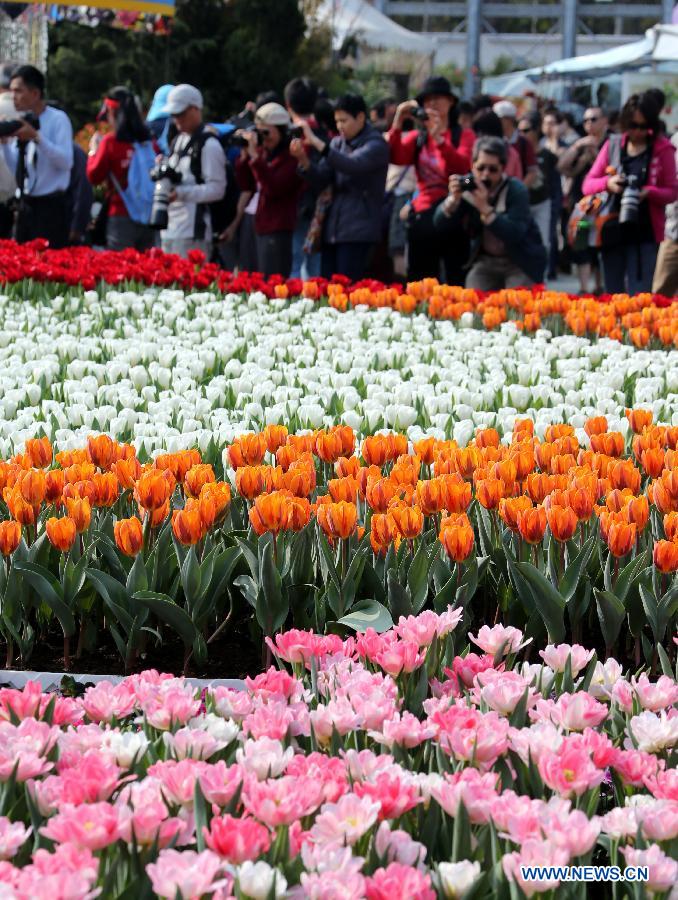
(165, 178)
(468, 182)
(11, 126)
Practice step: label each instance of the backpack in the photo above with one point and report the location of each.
(138, 195)
(222, 212)
(594, 221)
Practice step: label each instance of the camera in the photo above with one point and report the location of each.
(468, 182)
(11, 126)
(420, 114)
(296, 132)
(165, 177)
(238, 140)
(630, 201)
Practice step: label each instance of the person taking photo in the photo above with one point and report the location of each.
(42, 158)
(354, 166)
(438, 149)
(506, 247)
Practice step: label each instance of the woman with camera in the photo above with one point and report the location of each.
(644, 179)
(108, 163)
(266, 165)
(438, 149)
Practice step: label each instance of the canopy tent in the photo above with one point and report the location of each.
(167, 8)
(359, 19)
(660, 44)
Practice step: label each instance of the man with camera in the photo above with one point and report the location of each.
(38, 147)
(506, 247)
(193, 177)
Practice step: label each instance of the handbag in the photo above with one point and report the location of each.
(314, 235)
(594, 221)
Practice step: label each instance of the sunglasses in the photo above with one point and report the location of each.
(591, 119)
(524, 130)
(639, 126)
(491, 169)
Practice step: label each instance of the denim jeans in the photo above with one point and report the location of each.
(349, 259)
(304, 265)
(629, 268)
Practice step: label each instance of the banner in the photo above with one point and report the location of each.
(166, 8)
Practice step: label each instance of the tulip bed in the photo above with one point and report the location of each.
(400, 766)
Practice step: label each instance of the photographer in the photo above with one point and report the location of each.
(506, 247)
(354, 166)
(40, 152)
(266, 164)
(109, 161)
(440, 149)
(198, 157)
(645, 182)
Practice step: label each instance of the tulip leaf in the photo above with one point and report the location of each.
(137, 580)
(611, 613)
(368, 614)
(549, 603)
(272, 604)
(113, 594)
(51, 592)
(169, 613)
(190, 577)
(629, 575)
(417, 578)
(570, 580)
(399, 601)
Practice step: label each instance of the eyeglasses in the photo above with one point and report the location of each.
(524, 130)
(639, 126)
(491, 169)
(591, 119)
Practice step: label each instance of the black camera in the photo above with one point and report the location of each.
(11, 126)
(165, 177)
(468, 182)
(420, 114)
(239, 140)
(296, 132)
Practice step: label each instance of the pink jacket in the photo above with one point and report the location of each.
(661, 187)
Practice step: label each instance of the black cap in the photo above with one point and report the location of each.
(438, 84)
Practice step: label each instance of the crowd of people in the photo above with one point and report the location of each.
(478, 192)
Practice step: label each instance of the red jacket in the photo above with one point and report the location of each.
(661, 187)
(434, 162)
(113, 156)
(279, 185)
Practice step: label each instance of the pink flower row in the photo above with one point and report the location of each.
(318, 782)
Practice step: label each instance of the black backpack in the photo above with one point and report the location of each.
(222, 211)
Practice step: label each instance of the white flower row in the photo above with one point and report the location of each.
(166, 370)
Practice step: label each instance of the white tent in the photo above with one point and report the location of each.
(660, 44)
(359, 19)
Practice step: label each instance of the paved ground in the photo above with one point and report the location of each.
(568, 283)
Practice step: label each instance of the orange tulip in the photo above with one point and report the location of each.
(177, 463)
(558, 430)
(457, 494)
(40, 452)
(383, 528)
(347, 465)
(32, 485)
(562, 521)
(522, 428)
(581, 501)
(465, 460)
(187, 525)
(247, 450)
(621, 538)
(80, 511)
(152, 490)
(250, 481)
(431, 495)
(510, 509)
(269, 513)
(127, 471)
(196, 477)
(457, 538)
(156, 517)
(54, 485)
(637, 511)
(298, 513)
(665, 556)
(489, 492)
(539, 485)
(343, 489)
(611, 443)
(524, 460)
(652, 461)
(328, 446)
(623, 474)
(596, 425)
(101, 451)
(380, 492)
(487, 437)
(81, 489)
(425, 449)
(66, 458)
(532, 524)
(10, 537)
(107, 488)
(300, 479)
(79, 472)
(409, 520)
(639, 419)
(275, 437)
(61, 533)
(129, 536)
(19, 509)
(337, 520)
(220, 492)
(671, 526)
(375, 450)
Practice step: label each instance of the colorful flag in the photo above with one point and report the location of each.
(166, 8)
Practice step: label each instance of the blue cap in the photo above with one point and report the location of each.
(157, 110)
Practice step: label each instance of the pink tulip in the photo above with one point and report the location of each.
(530, 742)
(395, 794)
(231, 704)
(575, 712)
(574, 832)
(534, 852)
(188, 874)
(398, 846)
(620, 823)
(400, 657)
(465, 668)
(331, 885)
(12, 836)
(499, 638)
(634, 766)
(337, 715)
(178, 779)
(346, 821)
(281, 801)
(236, 840)
(91, 825)
(105, 701)
(31, 703)
(660, 820)
(466, 734)
(656, 696)
(502, 691)
(165, 709)
(475, 791)
(399, 882)
(570, 770)
(556, 657)
(403, 729)
(654, 733)
(273, 720)
(663, 871)
(23, 749)
(663, 784)
(328, 771)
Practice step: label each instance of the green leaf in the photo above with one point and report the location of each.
(399, 601)
(137, 580)
(611, 613)
(272, 606)
(368, 614)
(572, 576)
(250, 557)
(629, 574)
(549, 603)
(200, 815)
(167, 611)
(50, 591)
(190, 577)
(113, 594)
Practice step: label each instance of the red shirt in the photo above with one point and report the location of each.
(112, 156)
(279, 185)
(434, 162)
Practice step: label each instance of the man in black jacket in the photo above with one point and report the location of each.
(354, 166)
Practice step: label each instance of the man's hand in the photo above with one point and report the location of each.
(454, 187)
(616, 184)
(26, 133)
(587, 141)
(404, 111)
(228, 234)
(435, 125)
(480, 198)
(298, 151)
